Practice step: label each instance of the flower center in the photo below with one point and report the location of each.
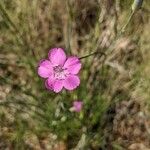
(59, 73)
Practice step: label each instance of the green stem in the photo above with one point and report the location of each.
(128, 21)
(69, 26)
(94, 53)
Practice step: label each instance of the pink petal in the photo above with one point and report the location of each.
(71, 82)
(57, 56)
(73, 65)
(45, 69)
(49, 83)
(57, 86)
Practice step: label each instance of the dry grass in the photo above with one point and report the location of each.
(112, 86)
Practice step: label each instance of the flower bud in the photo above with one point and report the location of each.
(137, 4)
(77, 106)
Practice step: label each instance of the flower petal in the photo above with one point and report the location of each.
(71, 82)
(55, 85)
(73, 65)
(45, 69)
(58, 85)
(49, 83)
(57, 56)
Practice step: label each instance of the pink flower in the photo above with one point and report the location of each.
(60, 71)
(77, 106)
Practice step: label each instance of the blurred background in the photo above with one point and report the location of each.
(115, 88)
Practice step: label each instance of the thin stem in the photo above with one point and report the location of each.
(128, 21)
(94, 53)
(68, 27)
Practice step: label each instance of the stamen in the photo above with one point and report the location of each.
(59, 73)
